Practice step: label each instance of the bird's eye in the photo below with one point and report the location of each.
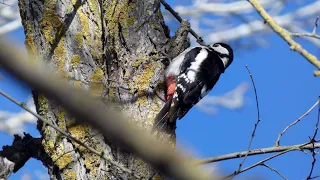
(215, 45)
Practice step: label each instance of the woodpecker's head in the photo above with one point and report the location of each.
(224, 51)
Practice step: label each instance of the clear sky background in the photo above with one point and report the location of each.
(286, 89)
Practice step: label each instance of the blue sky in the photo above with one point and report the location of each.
(286, 89)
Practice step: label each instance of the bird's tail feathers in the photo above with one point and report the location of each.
(162, 119)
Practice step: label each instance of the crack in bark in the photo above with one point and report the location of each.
(152, 42)
(122, 38)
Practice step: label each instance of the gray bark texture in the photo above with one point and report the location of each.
(112, 48)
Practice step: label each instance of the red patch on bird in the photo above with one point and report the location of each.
(171, 87)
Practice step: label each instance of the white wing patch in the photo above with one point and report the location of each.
(192, 70)
(181, 87)
(174, 67)
(175, 95)
(185, 78)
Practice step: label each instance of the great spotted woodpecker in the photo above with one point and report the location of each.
(189, 77)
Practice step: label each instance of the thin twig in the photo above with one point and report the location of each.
(253, 152)
(295, 122)
(22, 105)
(75, 147)
(315, 25)
(285, 35)
(178, 17)
(263, 161)
(314, 177)
(255, 165)
(273, 169)
(313, 161)
(257, 122)
(313, 34)
(305, 35)
(313, 140)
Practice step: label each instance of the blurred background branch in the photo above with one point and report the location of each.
(86, 109)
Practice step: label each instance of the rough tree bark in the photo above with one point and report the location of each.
(113, 49)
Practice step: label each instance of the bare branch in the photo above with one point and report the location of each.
(85, 108)
(286, 36)
(178, 17)
(258, 119)
(273, 169)
(235, 155)
(295, 122)
(313, 140)
(314, 177)
(264, 160)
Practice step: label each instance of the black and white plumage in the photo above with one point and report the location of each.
(189, 77)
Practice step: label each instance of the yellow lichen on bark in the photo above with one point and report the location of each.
(29, 43)
(75, 60)
(84, 20)
(143, 79)
(60, 55)
(51, 25)
(118, 14)
(94, 7)
(111, 93)
(138, 61)
(61, 117)
(97, 76)
(61, 158)
(69, 175)
(142, 101)
(92, 161)
(79, 39)
(83, 133)
(43, 104)
(56, 150)
(48, 144)
(80, 131)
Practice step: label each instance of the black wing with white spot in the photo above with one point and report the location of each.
(189, 58)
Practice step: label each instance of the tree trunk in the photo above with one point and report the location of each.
(113, 48)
